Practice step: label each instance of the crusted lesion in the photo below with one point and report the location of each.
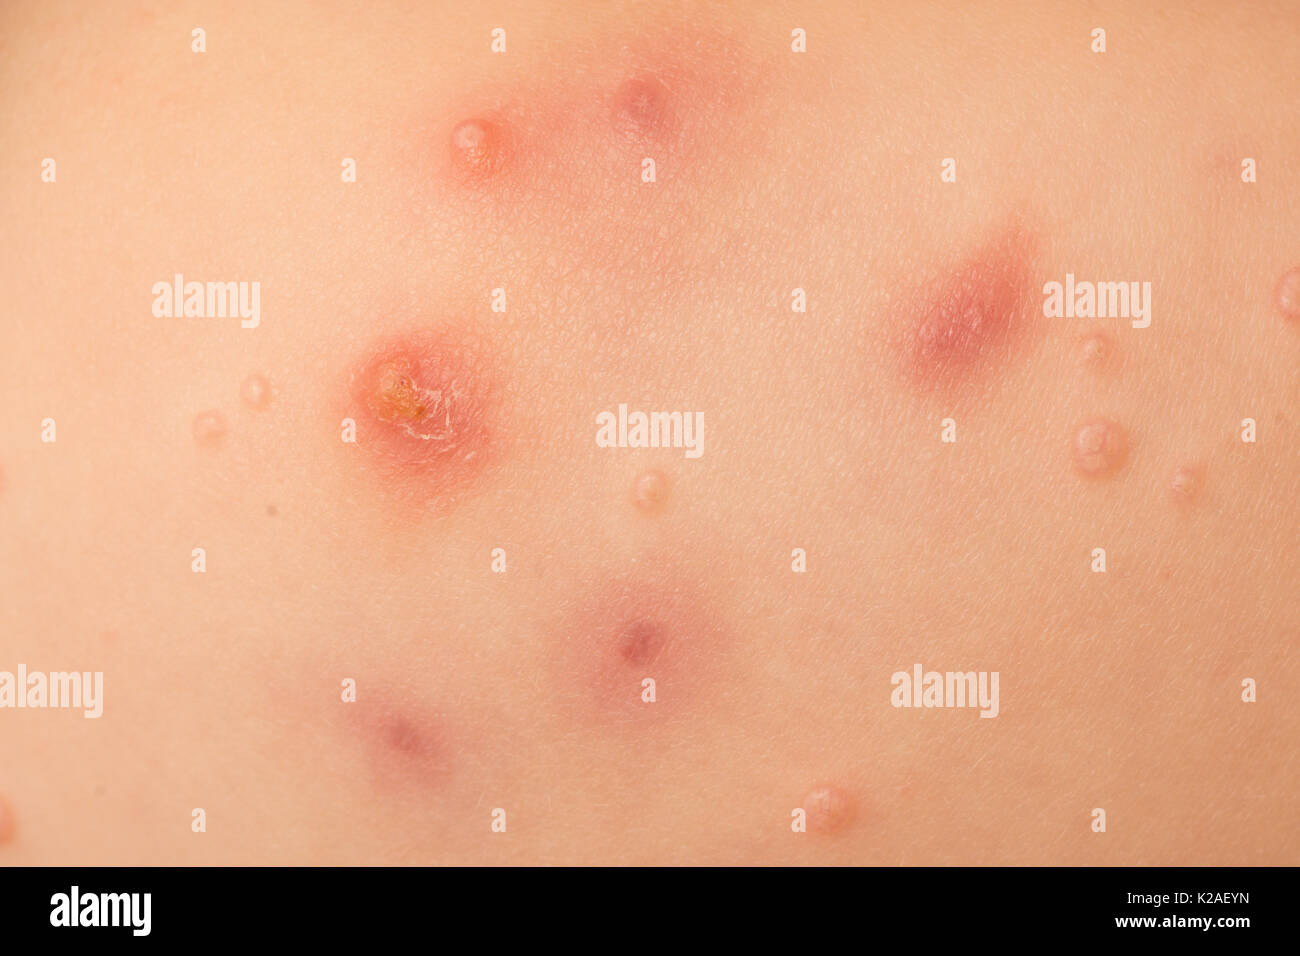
(428, 397)
(396, 397)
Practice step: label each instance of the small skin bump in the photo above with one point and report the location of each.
(425, 406)
(1100, 448)
(641, 106)
(478, 148)
(1097, 350)
(829, 809)
(1287, 294)
(255, 392)
(650, 491)
(1186, 483)
(209, 429)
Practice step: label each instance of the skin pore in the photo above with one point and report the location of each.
(395, 482)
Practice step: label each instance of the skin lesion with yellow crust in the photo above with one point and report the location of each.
(396, 397)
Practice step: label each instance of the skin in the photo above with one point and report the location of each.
(477, 690)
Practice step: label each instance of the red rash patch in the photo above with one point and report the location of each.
(969, 321)
(405, 747)
(637, 627)
(425, 407)
(641, 106)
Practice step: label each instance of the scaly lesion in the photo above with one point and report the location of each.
(419, 399)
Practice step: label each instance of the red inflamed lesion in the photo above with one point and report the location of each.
(574, 124)
(646, 645)
(642, 107)
(975, 317)
(480, 148)
(427, 407)
(402, 739)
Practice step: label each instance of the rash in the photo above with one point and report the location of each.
(425, 405)
(641, 106)
(646, 624)
(407, 747)
(967, 324)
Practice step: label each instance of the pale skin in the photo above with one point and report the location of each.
(478, 690)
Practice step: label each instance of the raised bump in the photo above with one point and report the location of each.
(209, 429)
(425, 404)
(650, 491)
(255, 391)
(829, 809)
(1185, 484)
(1100, 448)
(479, 148)
(1097, 350)
(641, 105)
(1287, 294)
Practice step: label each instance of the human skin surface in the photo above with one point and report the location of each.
(351, 465)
